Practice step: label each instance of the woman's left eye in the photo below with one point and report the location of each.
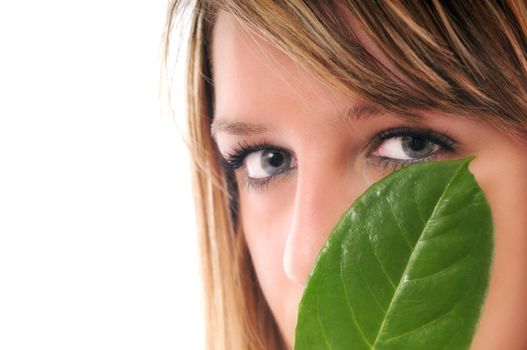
(401, 146)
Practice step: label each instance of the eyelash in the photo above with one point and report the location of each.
(235, 159)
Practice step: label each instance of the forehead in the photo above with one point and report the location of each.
(252, 77)
(250, 71)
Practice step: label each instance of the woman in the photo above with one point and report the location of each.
(296, 107)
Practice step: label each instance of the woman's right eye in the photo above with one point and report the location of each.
(261, 163)
(266, 163)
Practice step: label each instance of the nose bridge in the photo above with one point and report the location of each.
(321, 197)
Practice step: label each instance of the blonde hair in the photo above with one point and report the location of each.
(463, 57)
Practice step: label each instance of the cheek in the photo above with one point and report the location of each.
(264, 225)
(266, 220)
(504, 318)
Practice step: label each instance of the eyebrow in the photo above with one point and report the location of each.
(237, 128)
(362, 111)
(357, 112)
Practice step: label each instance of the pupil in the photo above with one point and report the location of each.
(417, 144)
(274, 159)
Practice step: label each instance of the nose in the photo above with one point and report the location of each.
(321, 197)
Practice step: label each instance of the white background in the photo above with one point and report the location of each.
(97, 238)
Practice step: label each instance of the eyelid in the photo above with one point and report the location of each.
(261, 185)
(440, 138)
(236, 157)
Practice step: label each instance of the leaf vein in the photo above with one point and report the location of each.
(373, 295)
(398, 224)
(379, 261)
(412, 256)
(350, 307)
(322, 329)
(443, 270)
(430, 322)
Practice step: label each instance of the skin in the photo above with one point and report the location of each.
(288, 220)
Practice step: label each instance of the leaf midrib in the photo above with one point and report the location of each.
(412, 255)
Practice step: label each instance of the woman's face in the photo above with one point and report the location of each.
(304, 152)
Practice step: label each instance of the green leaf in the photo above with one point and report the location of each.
(407, 266)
